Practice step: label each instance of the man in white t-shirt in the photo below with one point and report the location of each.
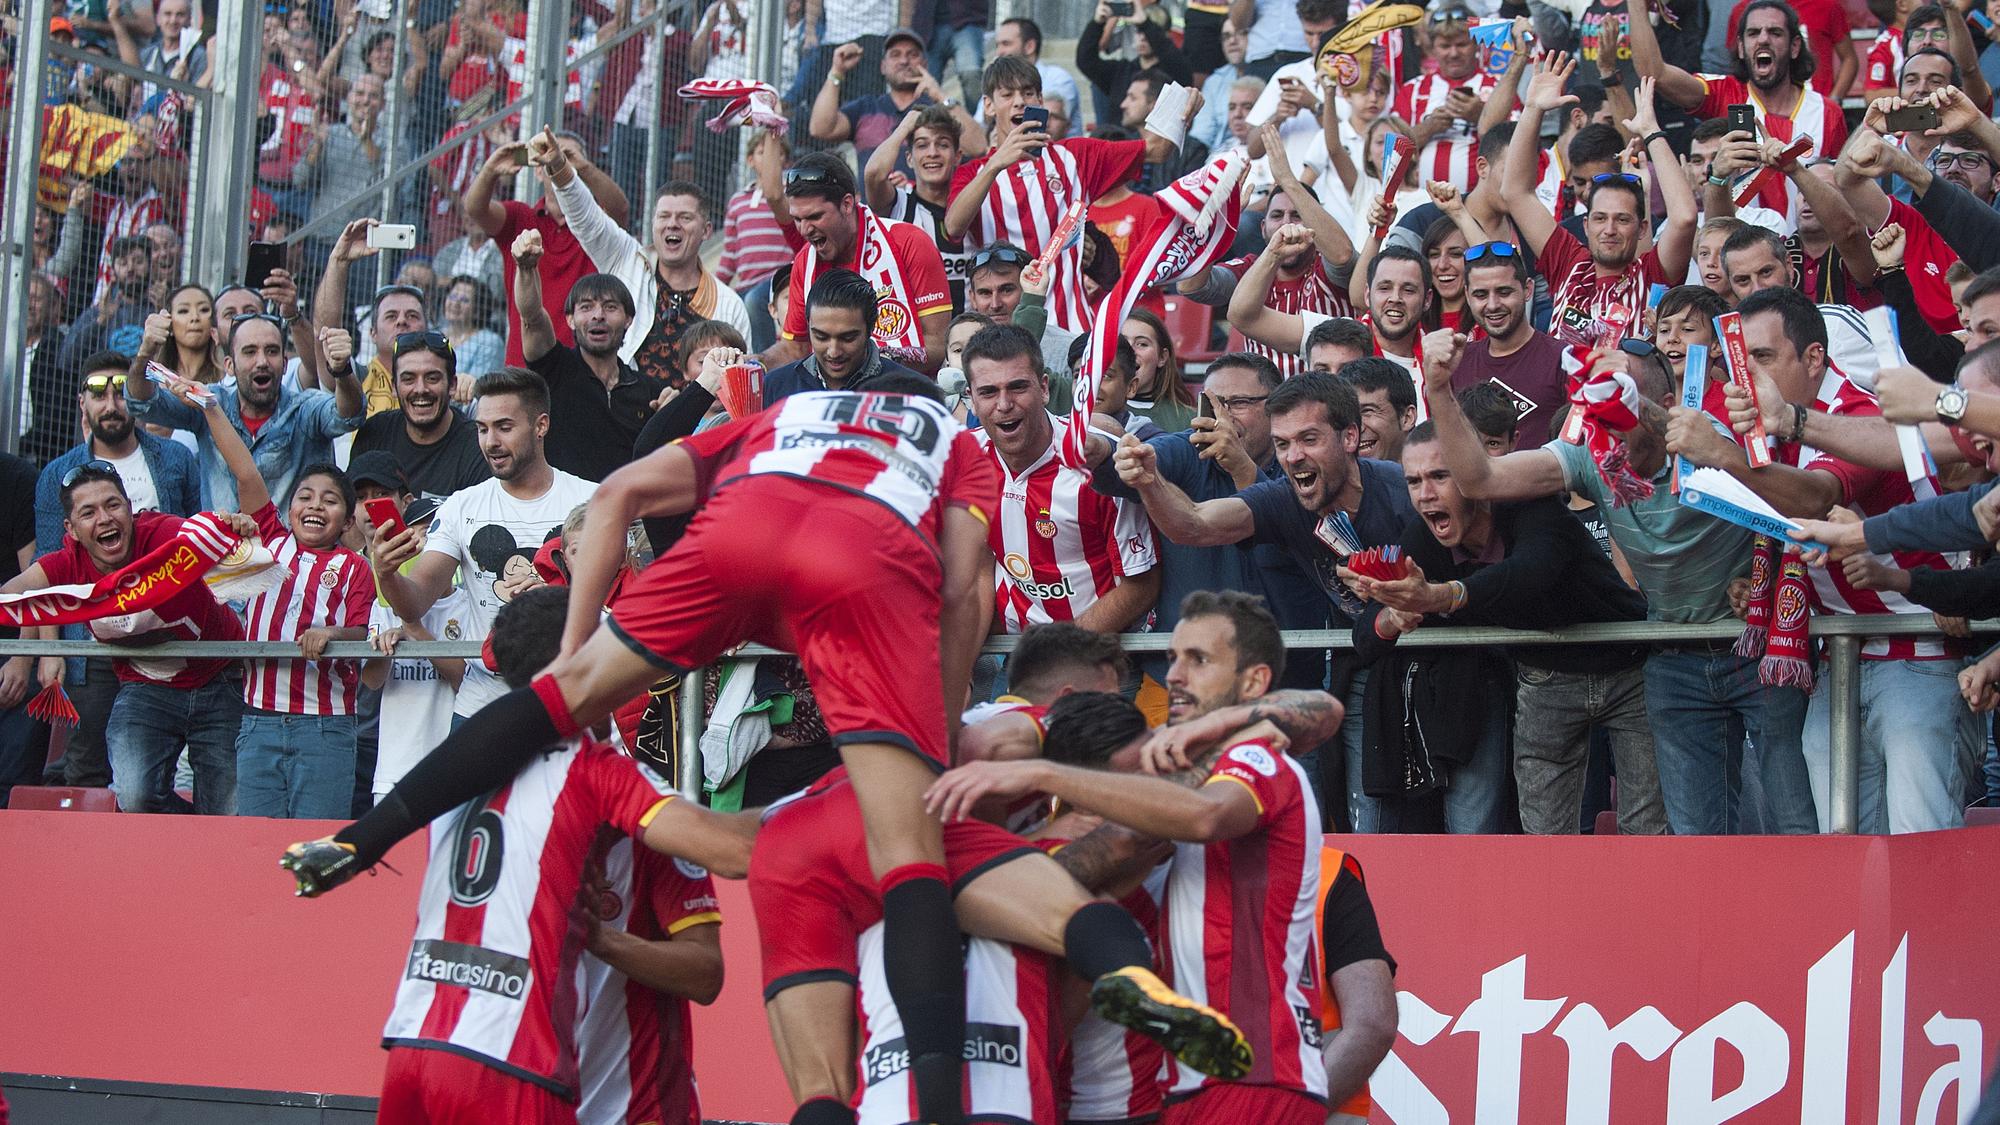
(489, 533)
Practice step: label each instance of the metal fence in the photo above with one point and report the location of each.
(1843, 636)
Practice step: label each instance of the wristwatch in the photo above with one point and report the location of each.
(1951, 403)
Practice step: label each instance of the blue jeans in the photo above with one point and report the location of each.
(1917, 739)
(1475, 801)
(1702, 704)
(149, 725)
(965, 46)
(296, 766)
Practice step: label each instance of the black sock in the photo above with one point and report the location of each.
(1102, 938)
(925, 965)
(484, 753)
(823, 1111)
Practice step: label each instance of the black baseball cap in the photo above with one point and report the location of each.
(909, 33)
(376, 467)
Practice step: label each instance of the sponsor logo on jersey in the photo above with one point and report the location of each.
(468, 966)
(997, 1044)
(1309, 1029)
(1256, 758)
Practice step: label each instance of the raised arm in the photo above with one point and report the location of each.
(1499, 105)
(1675, 242)
(1830, 207)
(251, 492)
(1959, 36)
(1210, 523)
(1521, 475)
(827, 122)
(1676, 85)
(481, 208)
(1284, 331)
(1866, 158)
(876, 190)
(1328, 235)
(1517, 187)
(538, 333)
(608, 245)
(330, 297)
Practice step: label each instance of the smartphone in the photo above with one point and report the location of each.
(382, 513)
(1743, 119)
(392, 236)
(1207, 407)
(265, 258)
(1911, 119)
(1036, 114)
(1120, 9)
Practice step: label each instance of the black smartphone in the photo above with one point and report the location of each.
(1207, 407)
(1743, 119)
(265, 257)
(1912, 119)
(1036, 114)
(1120, 9)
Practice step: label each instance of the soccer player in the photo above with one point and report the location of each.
(848, 528)
(1247, 866)
(476, 1031)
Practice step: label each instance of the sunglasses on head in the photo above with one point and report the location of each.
(95, 467)
(268, 318)
(408, 342)
(807, 175)
(1497, 249)
(1640, 348)
(104, 384)
(392, 290)
(1005, 255)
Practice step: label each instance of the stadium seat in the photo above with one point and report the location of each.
(1606, 823)
(1978, 816)
(61, 798)
(1191, 324)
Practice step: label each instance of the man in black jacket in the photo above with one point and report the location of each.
(1526, 565)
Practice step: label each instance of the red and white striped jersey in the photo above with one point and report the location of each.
(1873, 491)
(1240, 932)
(1591, 308)
(1449, 155)
(1028, 200)
(1311, 291)
(1817, 116)
(1059, 544)
(331, 589)
(492, 970)
(1884, 68)
(635, 1047)
(906, 453)
(128, 218)
(459, 167)
(1012, 1033)
(294, 112)
(1114, 1074)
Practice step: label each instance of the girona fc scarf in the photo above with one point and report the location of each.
(874, 259)
(1777, 616)
(176, 565)
(755, 102)
(1198, 218)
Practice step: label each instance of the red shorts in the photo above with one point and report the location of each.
(1263, 1105)
(426, 1087)
(814, 893)
(838, 579)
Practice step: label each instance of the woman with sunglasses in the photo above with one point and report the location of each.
(466, 313)
(1158, 394)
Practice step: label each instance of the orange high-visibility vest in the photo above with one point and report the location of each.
(1332, 861)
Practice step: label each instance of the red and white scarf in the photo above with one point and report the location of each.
(755, 102)
(203, 543)
(1198, 218)
(875, 259)
(1602, 405)
(1776, 618)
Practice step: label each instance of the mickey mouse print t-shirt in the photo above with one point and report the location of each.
(494, 537)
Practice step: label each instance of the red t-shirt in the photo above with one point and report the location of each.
(925, 289)
(564, 263)
(1825, 23)
(1926, 256)
(191, 615)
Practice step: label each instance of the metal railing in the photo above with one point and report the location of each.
(1844, 636)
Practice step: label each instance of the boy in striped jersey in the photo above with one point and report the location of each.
(295, 750)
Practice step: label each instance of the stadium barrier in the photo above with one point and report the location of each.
(1843, 636)
(157, 964)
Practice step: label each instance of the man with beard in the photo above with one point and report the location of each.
(159, 476)
(434, 447)
(1327, 488)
(517, 508)
(396, 310)
(868, 120)
(1524, 362)
(932, 134)
(1529, 564)
(1599, 288)
(898, 262)
(597, 402)
(838, 313)
(166, 703)
(286, 430)
(1773, 67)
(670, 288)
(1398, 291)
(116, 322)
(1755, 259)
(1243, 884)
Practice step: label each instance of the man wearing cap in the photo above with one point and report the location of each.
(436, 450)
(868, 120)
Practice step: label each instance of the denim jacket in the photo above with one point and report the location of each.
(174, 478)
(300, 432)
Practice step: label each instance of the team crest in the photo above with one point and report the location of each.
(451, 630)
(890, 318)
(1791, 607)
(328, 579)
(1045, 527)
(1058, 187)
(239, 554)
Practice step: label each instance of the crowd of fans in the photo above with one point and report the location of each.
(1397, 364)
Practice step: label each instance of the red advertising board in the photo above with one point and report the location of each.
(1580, 980)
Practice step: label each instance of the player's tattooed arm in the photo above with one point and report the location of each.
(1111, 858)
(1306, 718)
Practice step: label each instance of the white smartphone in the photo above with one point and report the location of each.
(392, 236)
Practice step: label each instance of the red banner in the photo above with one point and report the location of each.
(1573, 980)
(1729, 332)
